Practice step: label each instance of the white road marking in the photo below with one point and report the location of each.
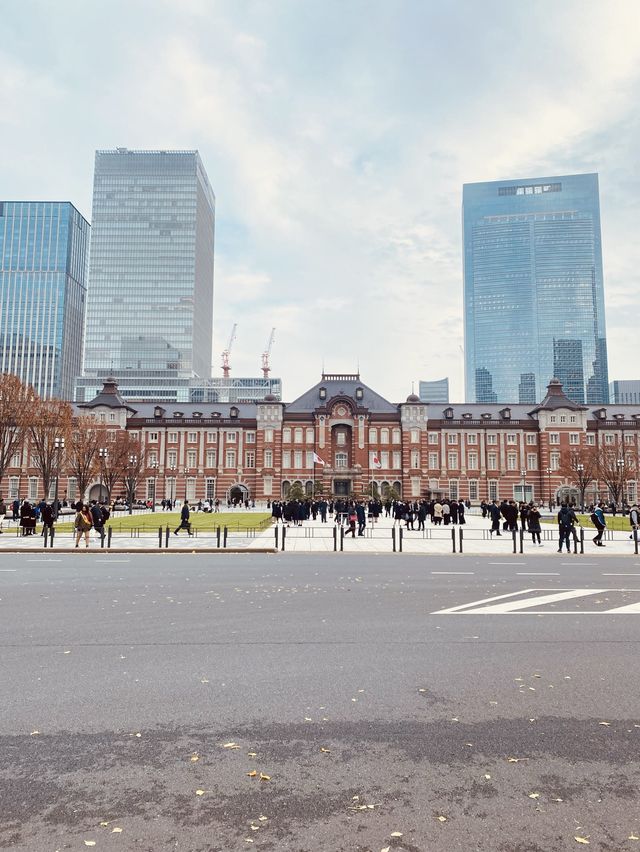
(110, 561)
(634, 607)
(621, 575)
(537, 574)
(44, 560)
(513, 606)
(453, 572)
(485, 600)
(8, 570)
(507, 563)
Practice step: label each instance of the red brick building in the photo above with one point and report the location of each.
(466, 450)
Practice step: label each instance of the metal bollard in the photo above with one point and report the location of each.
(160, 537)
(275, 529)
(635, 541)
(53, 532)
(581, 540)
(335, 538)
(45, 533)
(521, 540)
(461, 536)
(453, 539)
(218, 537)
(400, 540)
(284, 537)
(341, 538)
(109, 532)
(393, 538)
(224, 537)
(167, 533)
(515, 549)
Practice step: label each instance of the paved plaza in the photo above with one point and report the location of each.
(337, 703)
(318, 537)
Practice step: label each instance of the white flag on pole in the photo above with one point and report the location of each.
(317, 459)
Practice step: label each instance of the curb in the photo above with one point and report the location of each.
(112, 551)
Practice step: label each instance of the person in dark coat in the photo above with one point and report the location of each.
(533, 520)
(454, 511)
(362, 518)
(494, 514)
(185, 523)
(510, 514)
(47, 514)
(461, 511)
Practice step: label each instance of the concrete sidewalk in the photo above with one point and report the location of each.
(318, 537)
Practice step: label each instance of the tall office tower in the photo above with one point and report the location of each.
(533, 290)
(436, 391)
(625, 391)
(43, 270)
(150, 299)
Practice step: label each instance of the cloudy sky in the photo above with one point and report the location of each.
(337, 135)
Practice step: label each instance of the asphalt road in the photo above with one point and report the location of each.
(124, 677)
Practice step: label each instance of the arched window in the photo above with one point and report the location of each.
(395, 436)
(309, 436)
(286, 485)
(297, 436)
(384, 436)
(341, 460)
(286, 436)
(373, 436)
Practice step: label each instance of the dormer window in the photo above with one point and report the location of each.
(158, 411)
(618, 417)
(178, 414)
(359, 393)
(448, 413)
(322, 393)
(197, 414)
(467, 415)
(233, 411)
(215, 414)
(505, 413)
(485, 416)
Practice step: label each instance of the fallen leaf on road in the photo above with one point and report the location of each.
(231, 745)
(199, 792)
(255, 828)
(204, 680)
(557, 800)
(386, 849)
(606, 724)
(441, 818)
(104, 823)
(89, 843)
(264, 777)
(534, 795)
(422, 690)
(325, 750)
(633, 837)
(516, 759)
(34, 734)
(252, 774)
(66, 652)
(263, 818)
(308, 719)
(116, 830)
(194, 758)
(487, 776)
(396, 834)
(252, 754)
(583, 840)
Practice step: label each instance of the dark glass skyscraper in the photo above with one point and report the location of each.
(150, 299)
(43, 269)
(533, 289)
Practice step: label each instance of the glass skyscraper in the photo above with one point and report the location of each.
(533, 290)
(436, 391)
(43, 270)
(150, 299)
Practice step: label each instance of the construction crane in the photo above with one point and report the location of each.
(227, 352)
(265, 355)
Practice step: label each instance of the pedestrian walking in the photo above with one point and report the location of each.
(494, 513)
(185, 523)
(566, 523)
(3, 512)
(598, 520)
(533, 520)
(82, 524)
(634, 519)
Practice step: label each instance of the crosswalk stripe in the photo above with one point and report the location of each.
(485, 600)
(513, 606)
(635, 607)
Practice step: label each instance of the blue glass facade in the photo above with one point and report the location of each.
(150, 300)
(43, 270)
(533, 290)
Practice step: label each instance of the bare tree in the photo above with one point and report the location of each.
(16, 409)
(49, 433)
(580, 466)
(135, 465)
(616, 467)
(112, 460)
(82, 453)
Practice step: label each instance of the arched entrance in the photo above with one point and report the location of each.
(569, 494)
(97, 492)
(238, 493)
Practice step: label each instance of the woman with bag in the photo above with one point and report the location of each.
(82, 524)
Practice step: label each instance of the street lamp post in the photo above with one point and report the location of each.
(172, 495)
(549, 485)
(102, 455)
(580, 470)
(154, 467)
(58, 445)
(523, 474)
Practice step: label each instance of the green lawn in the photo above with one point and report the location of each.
(149, 522)
(617, 523)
